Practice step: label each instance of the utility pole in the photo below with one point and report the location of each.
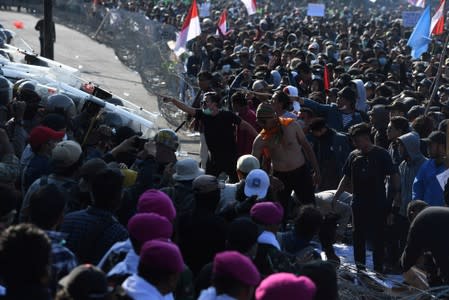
(49, 29)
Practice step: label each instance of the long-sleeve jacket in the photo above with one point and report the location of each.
(333, 115)
(409, 167)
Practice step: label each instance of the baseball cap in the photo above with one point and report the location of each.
(348, 60)
(246, 163)
(291, 90)
(378, 100)
(265, 110)
(314, 46)
(378, 110)
(436, 137)
(257, 183)
(243, 50)
(205, 184)
(369, 85)
(42, 134)
(259, 85)
(66, 153)
(397, 105)
(348, 94)
(86, 282)
(415, 111)
(91, 167)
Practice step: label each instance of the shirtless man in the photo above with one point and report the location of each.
(282, 140)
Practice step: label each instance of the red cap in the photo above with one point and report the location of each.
(41, 134)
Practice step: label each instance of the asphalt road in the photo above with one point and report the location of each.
(96, 62)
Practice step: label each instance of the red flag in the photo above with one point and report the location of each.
(190, 29)
(326, 80)
(437, 24)
(18, 24)
(222, 24)
(251, 6)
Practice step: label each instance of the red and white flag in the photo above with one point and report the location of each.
(222, 26)
(250, 6)
(190, 30)
(437, 24)
(418, 3)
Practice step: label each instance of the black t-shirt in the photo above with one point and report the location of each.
(219, 132)
(368, 172)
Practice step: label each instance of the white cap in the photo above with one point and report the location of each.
(291, 90)
(257, 183)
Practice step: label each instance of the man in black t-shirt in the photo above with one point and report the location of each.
(366, 170)
(219, 129)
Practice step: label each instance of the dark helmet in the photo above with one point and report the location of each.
(61, 104)
(29, 96)
(27, 85)
(168, 138)
(5, 91)
(15, 88)
(9, 35)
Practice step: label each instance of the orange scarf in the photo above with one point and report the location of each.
(274, 135)
(276, 131)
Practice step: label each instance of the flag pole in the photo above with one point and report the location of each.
(436, 81)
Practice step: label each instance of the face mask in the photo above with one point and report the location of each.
(207, 111)
(383, 61)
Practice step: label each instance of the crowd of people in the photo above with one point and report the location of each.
(313, 131)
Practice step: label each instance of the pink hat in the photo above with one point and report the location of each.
(286, 286)
(162, 256)
(149, 226)
(157, 202)
(267, 213)
(237, 266)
